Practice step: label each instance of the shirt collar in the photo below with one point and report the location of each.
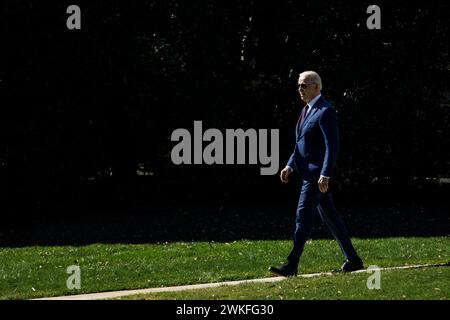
(313, 101)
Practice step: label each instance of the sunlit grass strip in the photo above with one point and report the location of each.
(34, 272)
(123, 293)
(430, 283)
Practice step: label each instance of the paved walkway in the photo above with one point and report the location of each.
(117, 294)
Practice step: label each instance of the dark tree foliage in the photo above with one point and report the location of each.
(84, 110)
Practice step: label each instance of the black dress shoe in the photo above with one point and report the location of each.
(286, 270)
(350, 265)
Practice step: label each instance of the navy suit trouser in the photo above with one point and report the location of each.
(311, 199)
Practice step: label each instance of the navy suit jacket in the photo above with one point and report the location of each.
(317, 142)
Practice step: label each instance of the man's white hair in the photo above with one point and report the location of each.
(313, 77)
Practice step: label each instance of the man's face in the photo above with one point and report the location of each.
(307, 89)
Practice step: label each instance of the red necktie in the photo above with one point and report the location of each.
(302, 118)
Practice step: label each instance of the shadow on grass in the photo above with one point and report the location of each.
(174, 212)
(194, 223)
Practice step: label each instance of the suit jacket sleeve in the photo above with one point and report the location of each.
(329, 126)
(291, 162)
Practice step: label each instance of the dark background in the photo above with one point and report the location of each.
(87, 115)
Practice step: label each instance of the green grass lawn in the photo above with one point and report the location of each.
(425, 283)
(33, 272)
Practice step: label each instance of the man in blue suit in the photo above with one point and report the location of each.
(313, 159)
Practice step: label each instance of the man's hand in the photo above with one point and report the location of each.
(284, 175)
(323, 184)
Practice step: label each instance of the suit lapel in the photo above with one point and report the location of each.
(310, 115)
(313, 110)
